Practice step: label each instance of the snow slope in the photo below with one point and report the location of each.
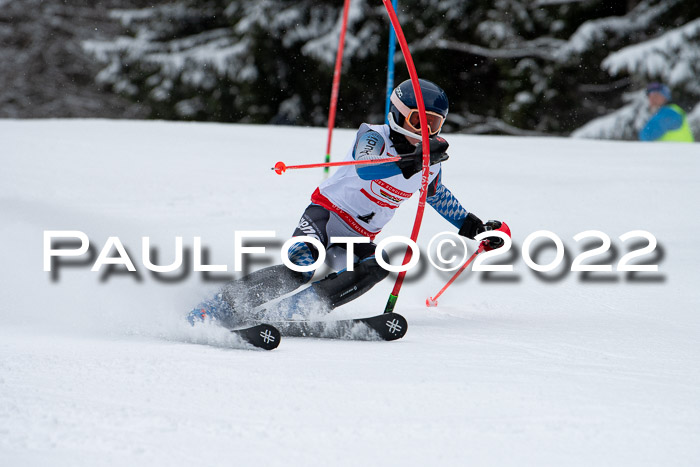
(551, 369)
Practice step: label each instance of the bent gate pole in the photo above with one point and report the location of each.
(393, 297)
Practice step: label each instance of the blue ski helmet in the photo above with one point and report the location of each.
(434, 98)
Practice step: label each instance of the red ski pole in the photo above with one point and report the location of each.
(432, 301)
(281, 167)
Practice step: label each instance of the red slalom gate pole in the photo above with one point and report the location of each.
(393, 297)
(336, 83)
(432, 301)
(281, 167)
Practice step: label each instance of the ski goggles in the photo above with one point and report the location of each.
(435, 121)
(412, 116)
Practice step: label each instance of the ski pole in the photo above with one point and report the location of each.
(281, 167)
(432, 301)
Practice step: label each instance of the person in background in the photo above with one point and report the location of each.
(668, 122)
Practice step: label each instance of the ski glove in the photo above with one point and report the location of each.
(411, 164)
(472, 226)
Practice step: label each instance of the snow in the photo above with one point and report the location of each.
(671, 57)
(532, 370)
(624, 123)
(495, 33)
(541, 3)
(321, 42)
(184, 57)
(591, 33)
(659, 57)
(694, 120)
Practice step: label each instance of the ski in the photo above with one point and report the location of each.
(263, 336)
(387, 326)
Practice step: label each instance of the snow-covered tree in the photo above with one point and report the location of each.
(263, 61)
(669, 52)
(44, 71)
(545, 58)
(509, 66)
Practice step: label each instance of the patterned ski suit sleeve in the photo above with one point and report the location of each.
(445, 203)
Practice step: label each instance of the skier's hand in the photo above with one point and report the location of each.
(472, 226)
(411, 164)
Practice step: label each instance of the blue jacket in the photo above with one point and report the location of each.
(667, 119)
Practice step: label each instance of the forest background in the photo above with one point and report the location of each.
(521, 67)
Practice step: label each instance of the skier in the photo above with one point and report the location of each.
(356, 201)
(669, 122)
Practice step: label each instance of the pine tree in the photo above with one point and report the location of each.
(509, 66)
(672, 57)
(45, 72)
(260, 62)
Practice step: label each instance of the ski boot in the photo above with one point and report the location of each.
(216, 310)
